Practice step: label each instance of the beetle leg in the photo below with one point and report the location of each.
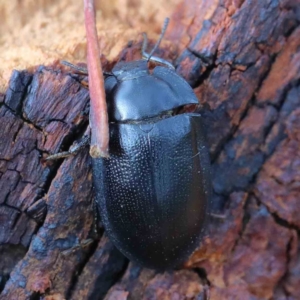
(97, 221)
(218, 216)
(85, 84)
(81, 70)
(74, 149)
(82, 245)
(76, 68)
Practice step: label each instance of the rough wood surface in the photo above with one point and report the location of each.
(243, 60)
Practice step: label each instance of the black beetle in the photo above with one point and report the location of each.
(153, 191)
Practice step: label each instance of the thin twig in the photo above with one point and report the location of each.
(98, 112)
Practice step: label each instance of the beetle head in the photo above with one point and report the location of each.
(129, 70)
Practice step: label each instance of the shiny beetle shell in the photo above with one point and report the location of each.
(153, 192)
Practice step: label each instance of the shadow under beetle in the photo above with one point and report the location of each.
(153, 192)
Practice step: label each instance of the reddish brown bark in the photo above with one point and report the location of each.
(243, 60)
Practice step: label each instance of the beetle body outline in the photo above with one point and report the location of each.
(153, 192)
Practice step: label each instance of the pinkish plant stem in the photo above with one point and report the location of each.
(98, 110)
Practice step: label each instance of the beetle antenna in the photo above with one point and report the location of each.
(164, 28)
(144, 46)
(150, 56)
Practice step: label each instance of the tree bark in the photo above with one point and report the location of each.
(243, 60)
